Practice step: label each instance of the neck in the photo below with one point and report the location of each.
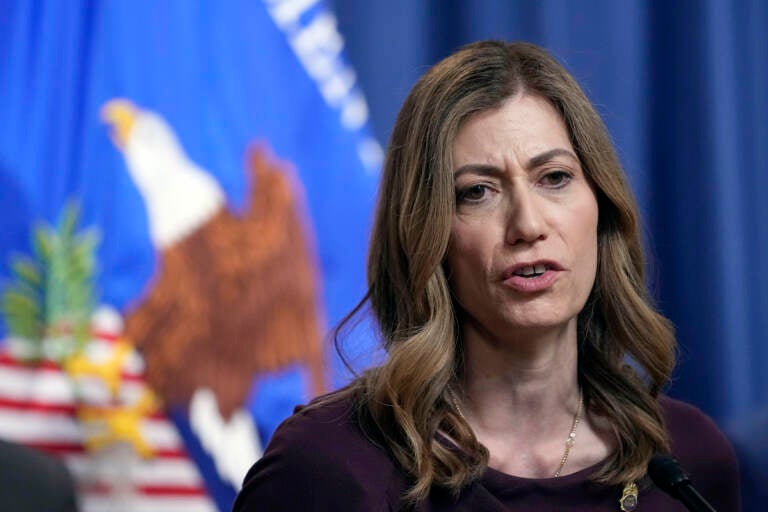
(520, 396)
(521, 383)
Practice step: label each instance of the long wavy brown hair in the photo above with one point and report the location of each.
(626, 349)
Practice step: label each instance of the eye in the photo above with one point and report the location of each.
(472, 193)
(556, 179)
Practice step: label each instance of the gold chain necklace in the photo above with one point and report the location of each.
(569, 442)
(571, 435)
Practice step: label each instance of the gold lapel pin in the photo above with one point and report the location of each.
(629, 499)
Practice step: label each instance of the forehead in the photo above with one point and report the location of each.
(521, 127)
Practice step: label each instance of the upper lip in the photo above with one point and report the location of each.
(550, 264)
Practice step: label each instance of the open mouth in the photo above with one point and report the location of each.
(531, 271)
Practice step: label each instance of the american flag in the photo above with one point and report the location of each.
(39, 408)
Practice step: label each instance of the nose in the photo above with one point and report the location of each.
(525, 219)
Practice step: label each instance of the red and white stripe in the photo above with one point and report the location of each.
(38, 406)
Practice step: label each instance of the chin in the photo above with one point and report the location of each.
(536, 324)
(539, 319)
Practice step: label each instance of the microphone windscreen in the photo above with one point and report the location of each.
(666, 472)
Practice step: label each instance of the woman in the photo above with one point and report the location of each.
(524, 358)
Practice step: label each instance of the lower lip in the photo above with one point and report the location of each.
(533, 284)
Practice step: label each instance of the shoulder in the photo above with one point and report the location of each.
(51, 487)
(703, 451)
(319, 459)
(693, 432)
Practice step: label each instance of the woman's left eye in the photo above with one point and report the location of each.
(556, 179)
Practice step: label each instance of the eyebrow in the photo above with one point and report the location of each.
(550, 155)
(534, 161)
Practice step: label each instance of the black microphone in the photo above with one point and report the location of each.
(668, 476)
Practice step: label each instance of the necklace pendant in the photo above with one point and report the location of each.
(629, 499)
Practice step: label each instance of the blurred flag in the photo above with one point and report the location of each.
(221, 149)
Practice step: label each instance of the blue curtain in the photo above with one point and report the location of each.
(683, 88)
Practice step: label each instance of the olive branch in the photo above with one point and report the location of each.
(47, 306)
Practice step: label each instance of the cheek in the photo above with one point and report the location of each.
(459, 246)
(465, 260)
(458, 261)
(587, 227)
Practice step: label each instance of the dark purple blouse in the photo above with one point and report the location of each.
(319, 460)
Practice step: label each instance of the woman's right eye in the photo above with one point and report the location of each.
(473, 193)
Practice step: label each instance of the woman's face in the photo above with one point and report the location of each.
(523, 248)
